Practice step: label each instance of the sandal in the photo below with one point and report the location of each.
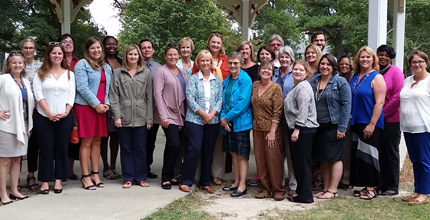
(89, 187)
(358, 193)
(99, 184)
(369, 195)
(143, 184)
(319, 193)
(109, 175)
(34, 186)
(216, 180)
(127, 185)
(333, 193)
(184, 188)
(116, 174)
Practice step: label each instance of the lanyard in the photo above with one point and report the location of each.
(23, 90)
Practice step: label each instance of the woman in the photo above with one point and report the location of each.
(367, 124)
(267, 108)
(16, 109)
(186, 48)
(28, 48)
(93, 77)
(132, 108)
(169, 94)
(54, 89)
(300, 113)
(204, 98)
(109, 171)
(345, 68)
(68, 42)
(390, 162)
(313, 55)
(249, 66)
(265, 53)
(236, 119)
(415, 124)
(333, 104)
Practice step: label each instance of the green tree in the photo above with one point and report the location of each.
(169, 21)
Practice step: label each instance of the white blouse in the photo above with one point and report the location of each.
(57, 93)
(414, 106)
(207, 89)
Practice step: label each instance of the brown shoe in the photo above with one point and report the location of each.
(263, 194)
(408, 198)
(208, 189)
(417, 202)
(184, 188)
(279, 197)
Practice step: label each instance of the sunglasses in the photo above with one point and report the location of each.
(16, 53)
(216, 32)
(55, 44)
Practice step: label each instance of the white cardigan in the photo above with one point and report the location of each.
(11, 99)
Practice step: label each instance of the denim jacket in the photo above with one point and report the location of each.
(88, 81)
(288, 81)
(195, 94)
(240, 101)
(339, 99)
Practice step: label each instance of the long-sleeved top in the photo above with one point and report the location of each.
(267, 107)
(88, 81)
(394, 79)
(57, 93)
(131, 97)
(11, 100)
(222, 65)
(203, 94)
(415, 105)
(299, 107)
(338, 101)
(286, 81)
(169, 96)
(240, 103)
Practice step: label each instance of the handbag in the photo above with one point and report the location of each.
(74, 136)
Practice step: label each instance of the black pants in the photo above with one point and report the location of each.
(150, 145)
(32, 151)
(390, 159)
(53, 144)
(171, 150)
(301, 155)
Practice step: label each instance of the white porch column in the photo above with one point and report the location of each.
(245, 20)
(377, 25)
(66, 8)
(399, 32)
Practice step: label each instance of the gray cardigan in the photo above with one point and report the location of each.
(131, 97)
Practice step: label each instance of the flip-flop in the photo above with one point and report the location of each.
(127, 185)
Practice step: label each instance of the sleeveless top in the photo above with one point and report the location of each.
(363, 100)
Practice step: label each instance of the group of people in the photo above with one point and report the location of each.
(343, 117)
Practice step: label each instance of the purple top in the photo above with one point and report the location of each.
(394, 79)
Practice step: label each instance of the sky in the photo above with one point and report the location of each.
(105, 15)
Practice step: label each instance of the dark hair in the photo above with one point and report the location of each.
(314, 35)
(43, 71)
(64, 36)
(349, 59)
(145, 40)
(419, 54)
(269, 49)
(171, 46)
(264, 64)
(388, 49)
(107, 37)
(332, 60)
(94, 63)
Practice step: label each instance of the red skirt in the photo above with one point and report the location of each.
(90, 123)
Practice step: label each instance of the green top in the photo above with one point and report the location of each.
(228, 94)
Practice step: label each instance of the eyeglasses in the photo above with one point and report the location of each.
(275, 44)
(67, 42)
(267, 68)
(418, 62)
(28, 48)
(233, 63)
(55, 44)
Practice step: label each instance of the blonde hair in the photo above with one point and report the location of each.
(242, 44)
(356, 63)
(184, 41)
(94, 63)
(140, 62)
(319, 54)
(307, 67)
(203, 54)
(219, 35)
(29, 39)
(6, 68)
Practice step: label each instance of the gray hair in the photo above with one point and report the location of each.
(275, 37)
(236, 55)
(287, 50)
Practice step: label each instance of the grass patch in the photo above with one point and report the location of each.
(184, 208)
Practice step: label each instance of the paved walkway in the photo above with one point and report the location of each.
(111, 202)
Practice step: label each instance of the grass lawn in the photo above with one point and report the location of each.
(339, 208)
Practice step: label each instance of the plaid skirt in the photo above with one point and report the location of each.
(237, 142)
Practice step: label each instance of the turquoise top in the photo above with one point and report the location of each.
(228, 95)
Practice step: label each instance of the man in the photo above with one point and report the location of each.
(319, 39)
(147, 52)
(275, 42)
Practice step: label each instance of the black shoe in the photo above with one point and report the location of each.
(238, 193)
(386, 193)
(44, 192)
(229, 188)
(166, 186)
(6, 203)
(13, 197)
(58, 191)
(151, 175)
(344, 186)
(73, 177)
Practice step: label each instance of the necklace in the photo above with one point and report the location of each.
(383, 71)
(319, 92)
(355, 86)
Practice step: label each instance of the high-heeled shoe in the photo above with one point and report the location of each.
(99, 184)
(13, 197)
(6, 203)
(90, 187)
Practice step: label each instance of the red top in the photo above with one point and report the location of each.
(73, 63)
(101, 93)
(224, 67)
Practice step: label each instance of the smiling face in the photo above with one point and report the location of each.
(299, 72)
(95, 51)
(28, 49)
(147, 50)
(234, 65)
(111, 46)
(285, 60)
(325, 67)
(245, 51)
(365, 60)
(265, 55)
(56, 56)
(16, 64)
(215, 44)
(311, 55)
(185, 50)
(275, 45)
(266, 72)
(418, 64)
(320, 41)
(345, 65)
(132, 57)
(384, 59)
(172, 57)
(205, 63)
(68, 45)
